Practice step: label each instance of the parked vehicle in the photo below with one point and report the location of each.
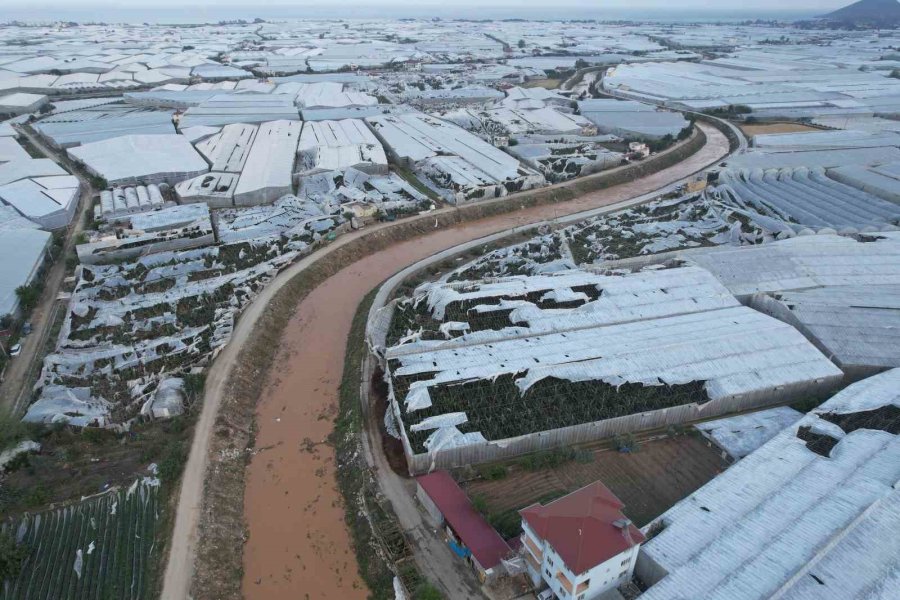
(15, 350)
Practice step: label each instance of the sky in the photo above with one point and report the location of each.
(299, 5)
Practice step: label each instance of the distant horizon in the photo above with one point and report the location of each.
(199, 14)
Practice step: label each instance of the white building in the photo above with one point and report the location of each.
(581, 545)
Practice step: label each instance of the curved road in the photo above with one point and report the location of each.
(298, 543)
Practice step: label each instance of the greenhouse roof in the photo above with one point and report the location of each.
(134, 156)
(858, 327)
(788, 521)
(666, 327)
(807, 261)
(742, 434)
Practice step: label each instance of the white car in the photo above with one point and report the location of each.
(15, 350)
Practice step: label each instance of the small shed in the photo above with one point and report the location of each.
(469, 535)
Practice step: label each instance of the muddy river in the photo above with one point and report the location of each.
(299, 546)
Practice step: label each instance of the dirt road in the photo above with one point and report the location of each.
(298, 545)
(13, 390)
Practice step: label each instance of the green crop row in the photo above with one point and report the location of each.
(115, 533)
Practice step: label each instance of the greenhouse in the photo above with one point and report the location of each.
(807, 199)
(483, 370)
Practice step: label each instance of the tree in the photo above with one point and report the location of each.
(12, 555)
(521, 43)
(28, 296)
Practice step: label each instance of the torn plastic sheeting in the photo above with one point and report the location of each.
(593, 371)
(823, 427)
(564, 295)
(390, 424)
(451, 437)
(440, 421)
(450, 326)
(502, 305)
(418, 397)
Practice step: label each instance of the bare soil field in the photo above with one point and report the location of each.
(751, 130)
(549, 84)
(649, 481)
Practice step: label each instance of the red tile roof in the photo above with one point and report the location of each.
(477, 534)
(580, 527)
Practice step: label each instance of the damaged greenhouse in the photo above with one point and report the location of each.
(485, 370)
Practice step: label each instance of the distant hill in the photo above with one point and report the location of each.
(872, 13)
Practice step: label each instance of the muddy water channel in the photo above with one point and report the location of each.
(298, 545)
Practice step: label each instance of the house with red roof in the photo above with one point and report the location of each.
(467, 533)
(581, 545)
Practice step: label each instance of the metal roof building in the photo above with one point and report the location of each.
(448, 503)
(814, 514)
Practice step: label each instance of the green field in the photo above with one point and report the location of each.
(122, 525)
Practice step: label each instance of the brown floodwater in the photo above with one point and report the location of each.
(299, 546)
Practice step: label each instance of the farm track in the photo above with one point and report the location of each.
(285, 507)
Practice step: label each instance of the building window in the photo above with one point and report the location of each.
(626, 561)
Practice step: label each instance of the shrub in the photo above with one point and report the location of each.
(426, 591)
(172, 463)
(625, 443)
(547, 459)
(37, 496)
(493, 472)
(97, 436)
(12, 555)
